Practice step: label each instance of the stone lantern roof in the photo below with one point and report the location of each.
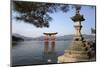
(77, 17)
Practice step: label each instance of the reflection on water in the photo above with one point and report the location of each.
(37, 52)
(49, 53)
(49, 48)
(53, 47)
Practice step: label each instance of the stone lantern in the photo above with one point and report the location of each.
(76, 51)
(77, 19)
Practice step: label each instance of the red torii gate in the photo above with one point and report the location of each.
(49, 37)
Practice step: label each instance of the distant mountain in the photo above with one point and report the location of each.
(70, 37)
(41, 38)
(22, 37)
(14, 38)
(88, 36)
(66, 37)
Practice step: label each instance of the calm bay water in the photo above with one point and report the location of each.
(33, 52)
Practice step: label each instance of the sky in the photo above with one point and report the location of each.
(61, 23)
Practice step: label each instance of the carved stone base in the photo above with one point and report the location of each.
(76, 52)
(78, 38)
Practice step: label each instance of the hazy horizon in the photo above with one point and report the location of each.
(55, 35)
